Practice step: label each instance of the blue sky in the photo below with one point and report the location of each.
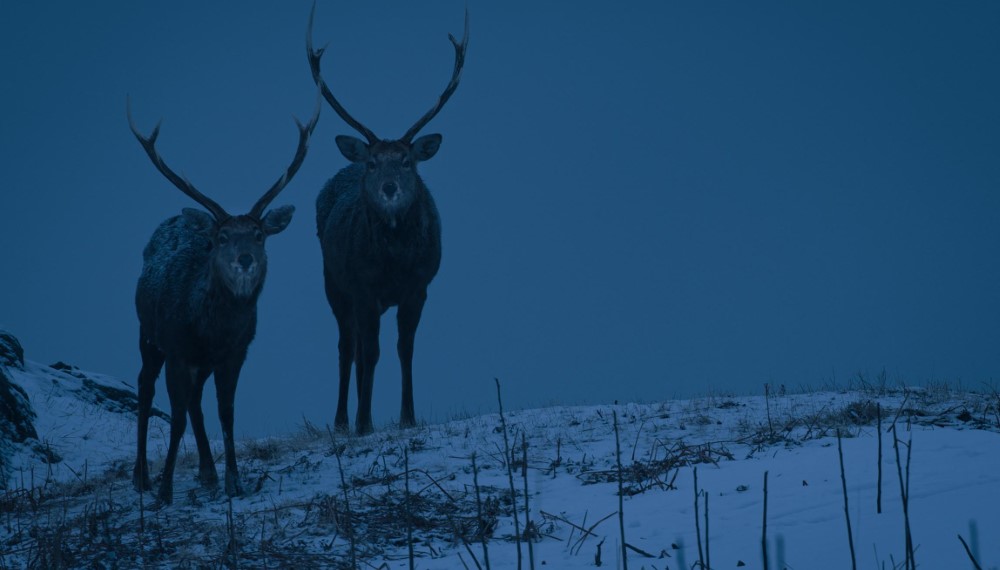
(639, 201)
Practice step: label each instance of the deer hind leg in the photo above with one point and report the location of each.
(179, 379)
(207, 475)
(152, 362)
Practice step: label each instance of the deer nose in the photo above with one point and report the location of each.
(389, 189)
(246, 260)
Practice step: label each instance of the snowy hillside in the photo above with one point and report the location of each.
(59, 420)
(297, 513)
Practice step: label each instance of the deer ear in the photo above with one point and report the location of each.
(426, 147)
(201, 220)
(276, 220)
(353, 149)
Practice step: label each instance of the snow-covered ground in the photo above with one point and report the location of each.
(84, 420)
(83, 512)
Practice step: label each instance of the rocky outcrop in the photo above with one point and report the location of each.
(16, 415)
(11, 353)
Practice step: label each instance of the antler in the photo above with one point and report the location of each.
(460, 49)
(149, 145)
(314, 57)
(300, 154)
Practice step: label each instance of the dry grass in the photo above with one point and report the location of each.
(97, 521)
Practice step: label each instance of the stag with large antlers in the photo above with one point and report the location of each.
(380, 234)
(197, 303)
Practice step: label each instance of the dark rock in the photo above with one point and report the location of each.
(16, 416)
(11, 352)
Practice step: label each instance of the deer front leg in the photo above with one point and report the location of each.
(226, 378)
(152, 362)
(368, 318)
(407, 319)
(346, 347)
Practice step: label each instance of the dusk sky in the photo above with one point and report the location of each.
(640, 200)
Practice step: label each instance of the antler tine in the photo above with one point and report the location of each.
(149, 145)
(460, 49)
(314, 57)
(305, 131)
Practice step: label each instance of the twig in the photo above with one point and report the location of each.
(468, 548)
(902, 406)
(621, 494)
(510, 477)
(636, 443)
(902, 492)
(697, 523)
(767, 405)
(975, 563)
(909, 534)
(847, 512)
(640, 551)
(263, 552)
(878, 497)
(527, 511)
(570, 542)
(233, 546)
(436, 483)
(142, 516)
(708, 555)
(590, 531)
(347, 508)
(479, 512)
(409, 513)
(763, 537)
(563, 520)
(471, 553)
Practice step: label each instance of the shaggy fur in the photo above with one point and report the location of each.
(374, 259)
(197, 305)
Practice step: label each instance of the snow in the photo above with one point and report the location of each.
(294, 512)
(77, 422)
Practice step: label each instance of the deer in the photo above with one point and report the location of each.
(380, 236)
(196, 299)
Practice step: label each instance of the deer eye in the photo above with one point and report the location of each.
(223, 238)
(259, 236)
(407, 163)
(371, 166)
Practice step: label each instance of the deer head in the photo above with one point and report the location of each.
(238, 258)
(389, 180)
